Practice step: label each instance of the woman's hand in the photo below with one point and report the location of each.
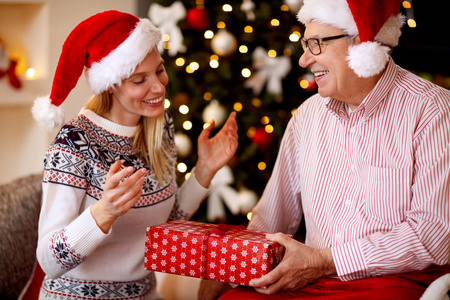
(214, 153)
(301, 265)
(118, 197)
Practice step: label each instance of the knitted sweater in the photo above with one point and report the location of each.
(72, 250)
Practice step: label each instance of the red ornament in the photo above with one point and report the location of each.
(197, 18)
(262, 138)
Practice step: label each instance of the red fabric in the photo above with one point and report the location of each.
(31, 290)
(407, 286)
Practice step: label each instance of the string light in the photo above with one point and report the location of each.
(248, 29)
(182, 167)
(237, 106)
(251, 132)
(207, 96)
(272, 53)
(31, 73)
(243, 49)
(221, 25)
(284, 7)
(227, 8)
(180, 61)
(214, 64)
(249, 216)
(208, 34)
(262, 166)
(265, 120)
(256, 102)
(268, 128)
(184, 109)
(304, 84)
(275, 22)
(295, 36)
(187, 125)
(246, 72)
(166, 103)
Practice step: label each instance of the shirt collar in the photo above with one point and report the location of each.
(372, 100)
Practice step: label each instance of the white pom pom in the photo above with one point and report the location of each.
(47, 114)
(368, 59)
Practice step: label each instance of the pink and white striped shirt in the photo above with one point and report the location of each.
(374, 185)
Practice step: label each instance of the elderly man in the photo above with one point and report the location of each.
(366, 163)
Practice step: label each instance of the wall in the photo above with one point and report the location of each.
(34, 32)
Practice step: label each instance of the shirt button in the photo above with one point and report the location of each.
(337, 236)
(348, 202)
(352, 167)
(352, 129)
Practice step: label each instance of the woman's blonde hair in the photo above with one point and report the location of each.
(150, 143)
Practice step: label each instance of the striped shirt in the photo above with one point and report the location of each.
(373, 185)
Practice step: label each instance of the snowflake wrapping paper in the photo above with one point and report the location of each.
(218, 252)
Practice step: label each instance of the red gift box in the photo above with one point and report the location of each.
(219, 252)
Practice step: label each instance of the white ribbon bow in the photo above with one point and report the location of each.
(269, 69)
(237, 202)
(166, 19)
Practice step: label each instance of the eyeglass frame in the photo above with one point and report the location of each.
(305, 42)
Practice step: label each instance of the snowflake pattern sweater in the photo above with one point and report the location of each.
(78, 258)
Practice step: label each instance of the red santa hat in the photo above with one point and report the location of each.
(110, 45)
(377, 22)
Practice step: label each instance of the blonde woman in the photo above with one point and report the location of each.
(109, 174)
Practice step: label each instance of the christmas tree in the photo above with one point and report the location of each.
(237, 55)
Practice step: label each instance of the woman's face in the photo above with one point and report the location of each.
(142, 94)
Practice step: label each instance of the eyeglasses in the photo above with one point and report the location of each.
(314, 44)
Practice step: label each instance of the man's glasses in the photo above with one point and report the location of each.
(314, 44)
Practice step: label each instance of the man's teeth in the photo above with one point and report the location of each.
(153, 101)
(320, 73)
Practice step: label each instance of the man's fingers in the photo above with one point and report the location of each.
(280, 238)
(268, 279)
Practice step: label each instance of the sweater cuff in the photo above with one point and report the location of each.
(349, 261)
(83, 234)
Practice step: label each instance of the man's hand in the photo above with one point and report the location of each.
(300, 266)
(211, 290)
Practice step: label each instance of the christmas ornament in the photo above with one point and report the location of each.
(294, 5)
(269, 69)
(248, 7)
(214, 111)
(8, 67)
(183, 144)
(197, 18)
(166, 19)
(262, 138)
(224, 43)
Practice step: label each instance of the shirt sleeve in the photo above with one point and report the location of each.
(279, 209)
(422, 238)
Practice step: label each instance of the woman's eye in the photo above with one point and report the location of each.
(138, 80)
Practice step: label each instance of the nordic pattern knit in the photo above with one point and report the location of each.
(79, 259)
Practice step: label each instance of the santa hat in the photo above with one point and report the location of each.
(377, 22)
(110, 45)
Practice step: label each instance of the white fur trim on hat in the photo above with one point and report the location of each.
(333, 12)
(122, 61)
(47, 114)
(368, 59)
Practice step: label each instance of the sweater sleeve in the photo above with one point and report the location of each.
(67, 231)
(188, 198)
